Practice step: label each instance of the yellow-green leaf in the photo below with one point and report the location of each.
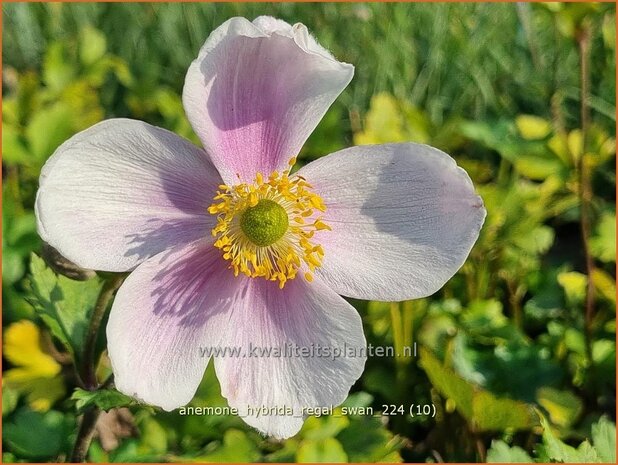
(532, 127)
(574, 285)
(605, 285)
(389, 120)
(563, 407)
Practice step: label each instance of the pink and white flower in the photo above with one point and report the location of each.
(228, 248)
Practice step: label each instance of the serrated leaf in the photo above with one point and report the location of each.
(64, 305)
(604, 439)
(558, 451)
(501, 452)
(105, 399)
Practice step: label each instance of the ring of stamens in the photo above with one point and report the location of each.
(257, 239)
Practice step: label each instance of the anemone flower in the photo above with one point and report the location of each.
(228, 248)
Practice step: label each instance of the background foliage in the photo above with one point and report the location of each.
(516, 353)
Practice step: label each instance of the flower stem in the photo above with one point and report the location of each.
(88, 363)
(85, 435)
(408, 328)
(88, 367)
(396, 325)
(585, 191)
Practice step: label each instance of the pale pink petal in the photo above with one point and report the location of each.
(403, 216)
(304, 315)
(122, 191)
(170, 308)
(256, 92)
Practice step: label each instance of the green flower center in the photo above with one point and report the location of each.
(265, 223)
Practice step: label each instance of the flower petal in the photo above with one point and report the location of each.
(303, 315)
(403, 216)
(122, 191)
(256, 92)
(170, 307)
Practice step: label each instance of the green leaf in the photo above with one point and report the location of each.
(92, 45)
(18, 239)
(129, 451)
(367, 440)
(321, 450)
(322, 428)
(153, 435)
(558, 451)
(358, 400)
(105, 399)
(604, 439)
(609, 31)
(7, 457)
(63, 304)
(500, 452)
(58, 70)
(483, 410)
(603, 242)
(236, 447)
(35, 435)
(536, 166)
(535, 240)
(13, 267)
(497, 135)
(14, 151)
(10, 397)
(563, 407)
(48, 128)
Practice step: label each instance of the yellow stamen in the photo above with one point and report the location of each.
(273, 254)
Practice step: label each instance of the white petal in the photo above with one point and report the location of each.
(122, 191)
(303, 314)
(404, 218)
(256, 92)
(170, 308)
